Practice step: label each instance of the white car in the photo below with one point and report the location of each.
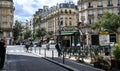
(51, 42)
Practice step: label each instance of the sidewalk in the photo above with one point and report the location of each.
(70, 64)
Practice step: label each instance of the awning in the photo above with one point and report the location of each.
(66, 33)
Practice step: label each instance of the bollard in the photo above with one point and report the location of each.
(39, 50)
(45, 52)
(52, 54)
(63, 58)
(35, 49)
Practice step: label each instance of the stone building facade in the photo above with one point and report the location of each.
(6, 19)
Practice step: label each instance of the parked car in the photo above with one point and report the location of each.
(51, 42)
(35, 43)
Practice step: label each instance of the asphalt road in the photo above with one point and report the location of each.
(18, 60)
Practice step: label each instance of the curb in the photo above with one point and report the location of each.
(62, 65)
(65, 66)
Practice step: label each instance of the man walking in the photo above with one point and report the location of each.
(58, 49)
(2, 53)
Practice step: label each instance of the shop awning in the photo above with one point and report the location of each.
(66, 33)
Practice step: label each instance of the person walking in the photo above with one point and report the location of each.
(27, 46)
(2, 53)
(58, 49)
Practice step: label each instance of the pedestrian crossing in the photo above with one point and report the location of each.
(19, 51)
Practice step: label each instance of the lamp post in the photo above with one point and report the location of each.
(59, 31)
(82, 40)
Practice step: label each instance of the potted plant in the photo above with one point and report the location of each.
(116, 54)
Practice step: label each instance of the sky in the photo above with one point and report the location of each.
(24, 9)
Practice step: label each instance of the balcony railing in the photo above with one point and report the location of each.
(90, 14)
(110, 5)
(100, 6)
(118, 4)
(90, 6)
(118, 13)
(100, 14)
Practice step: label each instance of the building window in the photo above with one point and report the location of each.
(65, 17)
(65, 23)
(61, 12)
(91, 21)
(118, 2)
(118, 11)
(61, 23)
(110, 11)
(70, 23)
(61, 17)
(90, 5)
(110, 3)
(100, 12)
(66, 12)
(61, 5)
(70, 11)
(100, 4)
(70, 18)
(90, 12)
(82, 6)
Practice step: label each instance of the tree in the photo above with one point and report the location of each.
(110, 22)
(41, 32)
(49, 34)
(17, 29)
(27, 34)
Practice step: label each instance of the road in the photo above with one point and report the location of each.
(19, 60)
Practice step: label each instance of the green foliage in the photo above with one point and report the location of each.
(27, 34)
(40, 32)
(95, 25)
(49, 34)
(108, 21)
(17, 29)
(116, 52)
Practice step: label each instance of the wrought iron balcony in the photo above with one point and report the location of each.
(110, 5)
(100, 6)
(90, 6)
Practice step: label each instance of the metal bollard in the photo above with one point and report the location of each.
(63, 57)
(45, 52)
(35, 49)
(39, 50)
(52, 54)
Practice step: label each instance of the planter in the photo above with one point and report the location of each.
(115, 64)
(97, 65)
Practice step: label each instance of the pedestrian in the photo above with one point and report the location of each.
(27, 46)
(58, 49)
(40, 43)
(31, 45)
(2, 53)
(48, 46)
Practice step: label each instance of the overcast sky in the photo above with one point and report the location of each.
(24, 9)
